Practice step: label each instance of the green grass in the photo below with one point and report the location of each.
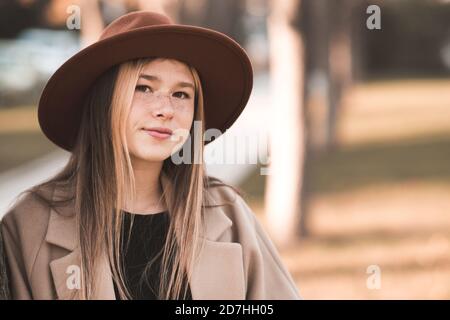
(426, 158)
(17, 148)
(349, 168)
(21, 139)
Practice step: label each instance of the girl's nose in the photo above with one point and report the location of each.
(163, 107)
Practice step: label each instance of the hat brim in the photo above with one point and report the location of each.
(223, 66)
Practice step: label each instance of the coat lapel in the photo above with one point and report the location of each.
(61, 232)
(217, 273)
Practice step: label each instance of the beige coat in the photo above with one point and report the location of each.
(238, 261)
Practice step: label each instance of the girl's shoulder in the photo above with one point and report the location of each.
(31, 210)
(223, 201)
(24, 225)
(219, 193)
(29, 205)
(229, 202)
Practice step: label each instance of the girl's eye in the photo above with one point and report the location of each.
(186, 96)
(143, 88)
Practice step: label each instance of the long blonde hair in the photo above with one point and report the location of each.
(99, 172)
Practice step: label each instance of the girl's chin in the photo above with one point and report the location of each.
(151, 157)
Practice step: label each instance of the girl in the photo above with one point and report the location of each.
(133, 214)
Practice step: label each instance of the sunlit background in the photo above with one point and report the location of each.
(350, 113)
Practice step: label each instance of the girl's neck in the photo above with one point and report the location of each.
(148, 197)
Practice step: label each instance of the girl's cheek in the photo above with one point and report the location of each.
(136, 111)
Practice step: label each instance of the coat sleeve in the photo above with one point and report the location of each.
(4, 284)
(266, 275)
(17, 279)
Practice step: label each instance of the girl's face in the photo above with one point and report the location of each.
(163, 101)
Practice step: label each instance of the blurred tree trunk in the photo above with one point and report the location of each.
(327, 30)
(95, 15)
(286, 132)
(315, 27)
(340, 61)
(91, 22)
(220, 15)
(328, 72)
(359, 41)
(154, 5)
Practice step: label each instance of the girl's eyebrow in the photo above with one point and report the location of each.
(157, 79)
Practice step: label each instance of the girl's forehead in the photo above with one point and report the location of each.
(161, 69)
(166, 64)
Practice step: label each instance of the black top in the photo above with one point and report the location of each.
(147, 239)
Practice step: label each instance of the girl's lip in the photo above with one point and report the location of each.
(158, 133)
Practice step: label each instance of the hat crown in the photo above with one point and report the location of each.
(134, 20)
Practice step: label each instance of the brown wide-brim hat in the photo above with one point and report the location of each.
(224, 68)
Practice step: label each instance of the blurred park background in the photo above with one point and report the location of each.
(353, 97)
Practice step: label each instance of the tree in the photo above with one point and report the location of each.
(286, 132)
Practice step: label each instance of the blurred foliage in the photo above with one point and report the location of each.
(411, 39)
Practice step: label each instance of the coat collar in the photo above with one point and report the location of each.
(217, 273)
(61, 230)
